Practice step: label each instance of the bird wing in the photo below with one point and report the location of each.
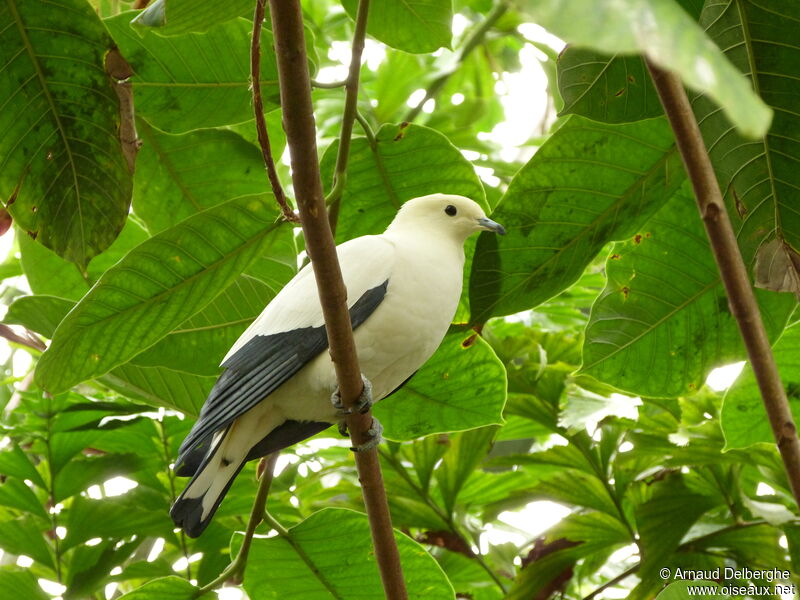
(288, 334)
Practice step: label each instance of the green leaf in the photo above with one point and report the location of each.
(41, 314)
(199, 344)
(665, 517)
(663, 321)
(462, 386)
(614, 89)
(23, 536)
(406, 162)
(15, 462)
(166, 588)
(662, 31)
(175, 17)
(16, 494)
(414, 26)
(195, 80)
(160, 386)
(588, 184)
(78, 474)
(744, 420)
(51, 275)
(180, 175)
(20, 583)
(63, 166)
(155, 288)
(462, 458)
(341, 563)
(760, 178)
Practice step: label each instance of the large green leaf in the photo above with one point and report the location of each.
(62, 163)
(337, 561)
(406, 162)
(51, 275)
(195, 80)
(663, 322)
(180, 175)
(25, 536)
(410, 25)
(462, 386)
(661, 30)
(175, 17)
(154, 288)
(744, 420)
(588, 184)
(199, 344)
(462, 458)
(760, 178)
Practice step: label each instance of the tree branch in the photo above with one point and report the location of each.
(234, 570)
(258, 109)
(733, 272)
(333, 200)
(473, 41)
(29, 340)
(298, 121)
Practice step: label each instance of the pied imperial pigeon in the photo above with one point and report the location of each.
(403, 288)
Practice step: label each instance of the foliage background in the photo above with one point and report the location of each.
(600, 314)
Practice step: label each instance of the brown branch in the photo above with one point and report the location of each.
(349, 115)
(266, 469)
(28, 340)
(733, 272)
(258, 109)
(298, 121)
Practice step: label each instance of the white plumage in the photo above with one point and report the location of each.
(403, 288)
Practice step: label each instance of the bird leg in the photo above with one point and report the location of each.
(363, 404)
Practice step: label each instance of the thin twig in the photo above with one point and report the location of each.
(333, 200)
(473, 41)
(328, 85)
(298, 120)
(236, 568)
(258, 109)
(28, 340)
(741, 299)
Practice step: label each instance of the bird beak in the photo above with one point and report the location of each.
(490, 225)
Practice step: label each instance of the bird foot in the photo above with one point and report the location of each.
(363, 404)
(374, 433)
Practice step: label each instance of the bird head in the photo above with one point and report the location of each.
(457, 216)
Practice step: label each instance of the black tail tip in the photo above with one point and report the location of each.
(187, 514)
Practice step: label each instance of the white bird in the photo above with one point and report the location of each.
(403, 288)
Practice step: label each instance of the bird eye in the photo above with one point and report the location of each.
(450, 210)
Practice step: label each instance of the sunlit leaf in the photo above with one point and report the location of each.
(154, 289)
(408, 25)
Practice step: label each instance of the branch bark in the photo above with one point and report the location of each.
(258, 109)
(299, 124)
(349, 115)
(733, 271)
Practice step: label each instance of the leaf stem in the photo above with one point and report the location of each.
(258, 109)
(472, 42)
(236, 568)
(334, 198)
(298, 119)
(741, 298)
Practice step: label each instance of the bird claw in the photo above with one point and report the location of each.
(363, 404)
(374, 433)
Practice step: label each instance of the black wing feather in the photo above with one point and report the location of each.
(262, 365)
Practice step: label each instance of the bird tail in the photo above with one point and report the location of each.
(211, 480)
